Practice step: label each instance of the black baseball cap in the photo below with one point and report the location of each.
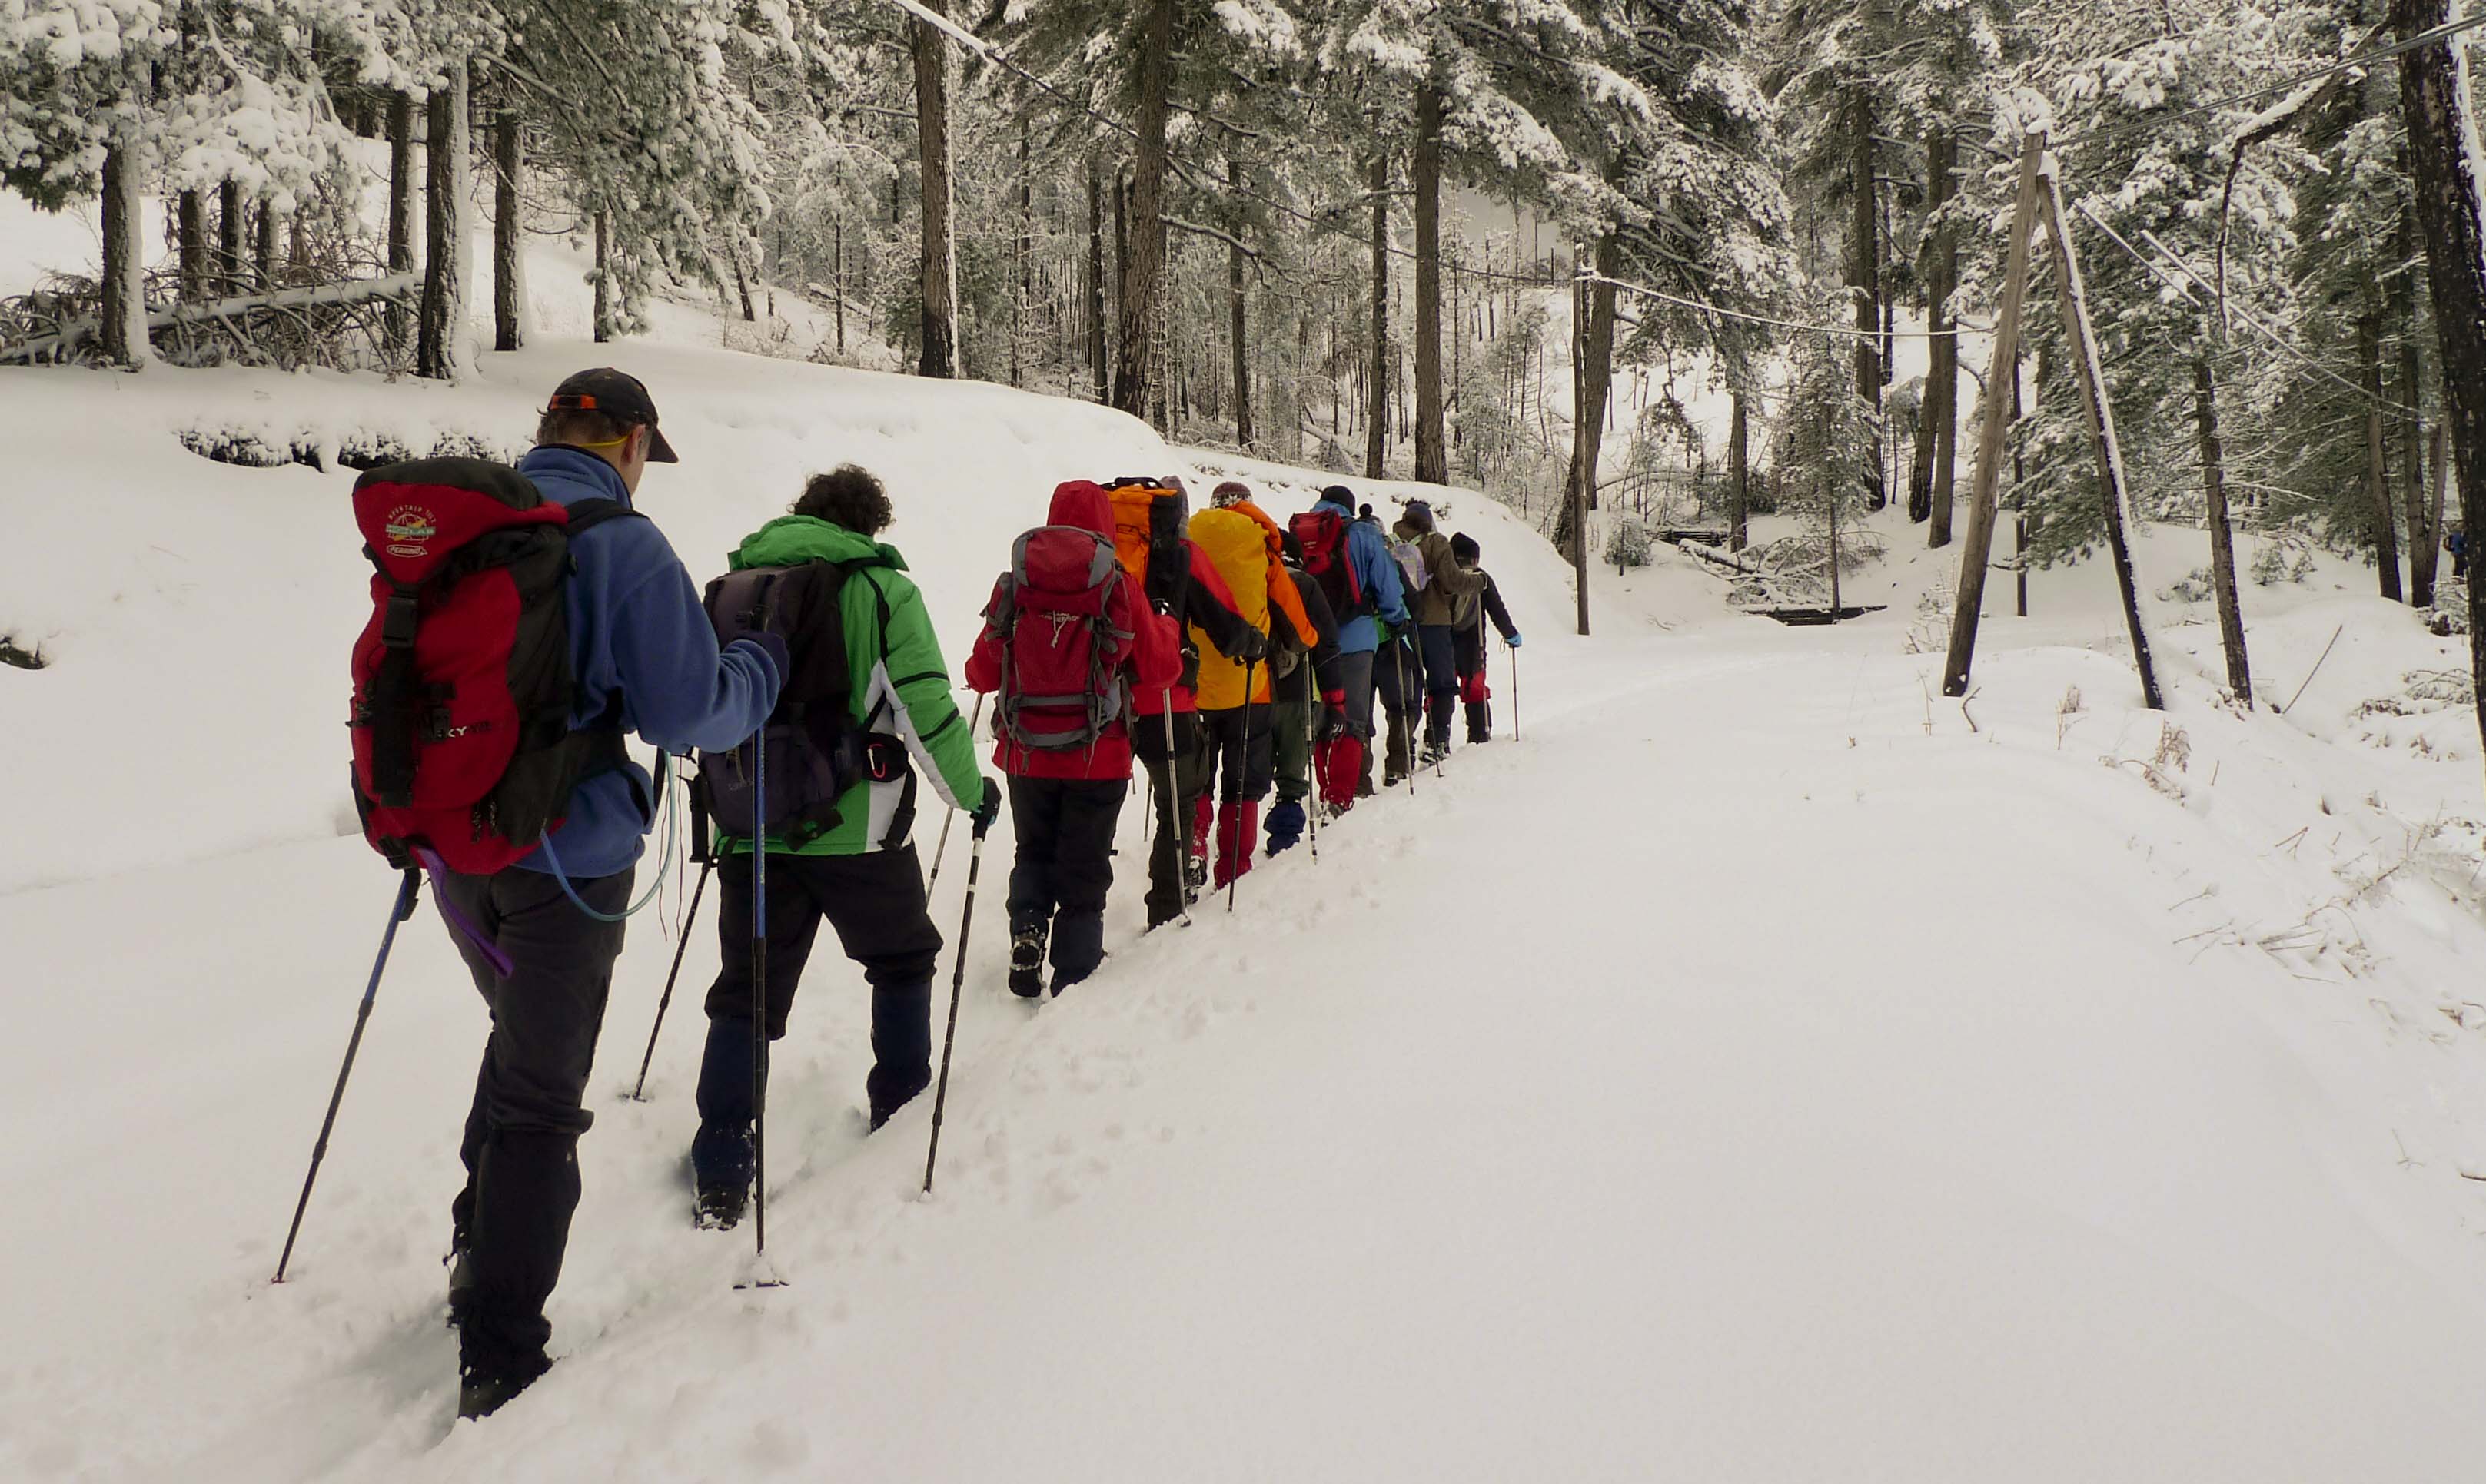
(620, 397)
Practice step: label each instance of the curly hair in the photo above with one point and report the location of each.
(849, 496)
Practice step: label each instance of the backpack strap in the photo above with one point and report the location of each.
(602, 744)
(588, 514)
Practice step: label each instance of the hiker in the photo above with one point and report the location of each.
(1234, 691)
(2456, 542)
(866, 707)
(1299, 678)
(1440, 586)
(1066, 637)
(1151, 521)
(539, 933)
(1470, 632)
(1350, 561)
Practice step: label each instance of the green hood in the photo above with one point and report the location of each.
(794, 538)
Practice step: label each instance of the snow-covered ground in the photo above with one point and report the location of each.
(1760, 1068)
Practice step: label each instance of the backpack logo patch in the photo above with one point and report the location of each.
(410, 529)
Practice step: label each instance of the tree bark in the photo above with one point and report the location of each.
(938, 270)
(2378, 492)
(401, 209)
(1025, 248)
(1739, 474)
(508, 234)
(440, 331)
(602, 328)
(263, 249)
(1236, 307)
(2222, 539)
(1096, 282)
(1977, 544)
(1865, 276)
(839, 230)
(2100, 410)
(1942, 387)
(125, 252)
(1143, 281)
(230, 260)
(1432, 446)
(2425, 538)
(1592, 381)
(1376, 423)
(190, 242)
(2445, 177)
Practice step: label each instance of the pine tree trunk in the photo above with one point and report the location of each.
(1739, 474)
(2100, 409)
(401, 212)
(441, 329)
(938, 264)
(603, 317)
(2425, 538)
(1941, 388)
(1236, 307)
(2378, 492)
(230, 214)
(1592, 343)
(1432, 447)
(190, 242)
(1096, 282)
(1026, 250)
(2020, 518)
(2222, 539)
(263, 248)
(2446, 209)
(125, 260)
(509, 229)
(1865, 276)
(1376, 432)
(1143, 280)
(841, 249)
(742, 288)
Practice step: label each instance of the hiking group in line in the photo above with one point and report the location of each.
(526, 621)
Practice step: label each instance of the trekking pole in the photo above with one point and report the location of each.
(399, 911)
(942, 848)
(762, 1274)
(958, 982)
(1312, 756)
(1399, 659)
(706, 859)
(1515, 692)
(1233, 876)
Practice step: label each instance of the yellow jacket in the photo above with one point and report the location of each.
(1245, 544)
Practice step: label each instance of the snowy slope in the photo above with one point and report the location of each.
(1760, 1069)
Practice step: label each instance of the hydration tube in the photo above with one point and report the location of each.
(672, 809)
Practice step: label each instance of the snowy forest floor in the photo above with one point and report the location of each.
(1758, 1069)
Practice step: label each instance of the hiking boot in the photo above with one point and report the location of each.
(1431, 757)
(1194, 879)
(719, 1206)
(1390, 780)
(1027, 959)
(482, 1392)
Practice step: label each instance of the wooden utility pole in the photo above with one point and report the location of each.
(2091, 375)
(1977, 543)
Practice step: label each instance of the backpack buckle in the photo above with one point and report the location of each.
(398, 623)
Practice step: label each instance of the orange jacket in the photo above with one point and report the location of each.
(1244, 544)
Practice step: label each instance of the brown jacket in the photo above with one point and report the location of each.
(1450, 589)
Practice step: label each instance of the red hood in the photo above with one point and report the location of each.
(1083, 503)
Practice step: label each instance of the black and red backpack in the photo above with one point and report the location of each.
(462, 686)
(1061, 654)
(1322, 535)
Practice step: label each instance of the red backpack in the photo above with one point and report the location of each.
(463, 685)
(1061, 653)
(1322, 535)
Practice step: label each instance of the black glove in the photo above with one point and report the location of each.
(1252, 645)
(988, 810)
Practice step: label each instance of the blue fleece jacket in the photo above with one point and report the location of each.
(1376, 572)
(637, 631)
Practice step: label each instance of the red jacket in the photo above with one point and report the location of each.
(1152, 662)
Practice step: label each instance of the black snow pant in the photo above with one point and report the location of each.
(1441, 682)
(520, 1147)
(1064, 865)
(1242, 751)
(874, 902)
(1167, 848)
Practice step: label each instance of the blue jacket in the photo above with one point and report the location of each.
(637, 631)
(1376, 572)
